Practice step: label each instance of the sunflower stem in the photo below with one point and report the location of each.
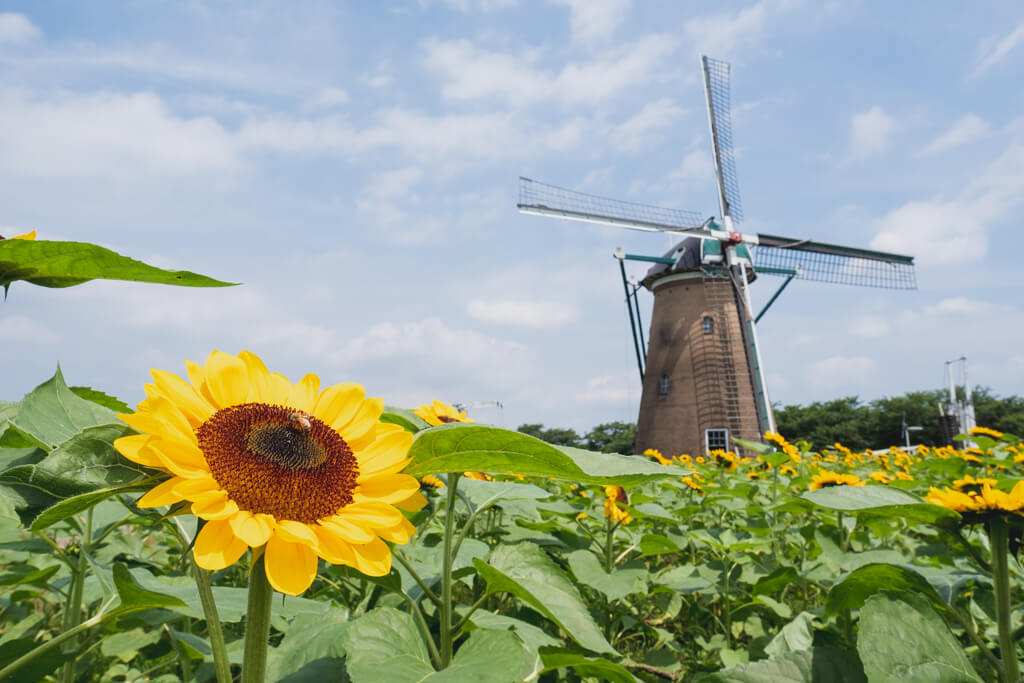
(73, 615)
(999, 540)
(445, 608)
(257, 624)
(415, 577)
(221, 665)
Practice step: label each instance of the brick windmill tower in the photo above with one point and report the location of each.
(702, 374)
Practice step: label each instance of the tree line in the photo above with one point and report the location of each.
(855, 424)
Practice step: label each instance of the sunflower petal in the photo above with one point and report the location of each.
(295, 532)
(186, 456)
(348, 530)
(217, 547)
(196, 373)
(386, 488)
(197, 486)
(226, 379)
(161, 494)
(333, 547)
(303, 394)
(373, 558)
(161, 419)
(376, 515)
(215, 508)
(337, 404)
(416, 501)
(183, 395)
(259, 376)
(280, 389)
(386, 451)
(135, 449)
(255, 530)
(364, 419)
(400, 533)
(290, 567)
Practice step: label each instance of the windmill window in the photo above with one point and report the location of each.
(664, 384)
(708, 323)
(715, 439)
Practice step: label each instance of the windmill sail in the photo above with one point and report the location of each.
(823, 262)
(716, 90)
(550, 200)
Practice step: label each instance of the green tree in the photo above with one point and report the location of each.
(612, 437)
(555, 436)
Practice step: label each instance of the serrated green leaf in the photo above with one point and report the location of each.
(63, 264)
(51, 413)
(309, 638)
(904, 639)
(72, 506)
(387, 642)
(594, 667)
(620, 583)
(534, 636)
(817, 665)
(795, 636)
(461, 447)
(528, 573)
(489, 657)
(857, 586)
(135, 596)
(101, 398)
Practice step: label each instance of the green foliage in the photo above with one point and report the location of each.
(610, 437)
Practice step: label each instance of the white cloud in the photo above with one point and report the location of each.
(940, 231)
(967, 129)
(870, 327)
(20, 328)
(475, 73)
(697, 167)
(380, 77)
(958, 305)
(522, 313)
(869, 132)
(720, 34)
(593, 19)
(611, 389)
(840, 370)
(393, 184)
(75, 135)
(325, 98)
(636, 131)
(991, 51)
(468, 6)
(16, 29)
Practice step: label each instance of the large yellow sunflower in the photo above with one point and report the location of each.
(291, 471)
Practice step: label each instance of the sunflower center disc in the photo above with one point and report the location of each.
(275, 461)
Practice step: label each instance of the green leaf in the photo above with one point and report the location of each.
(404, 418)
(817, 665)
(776, 581)
(482, 493)
(757, 447)
(63, 264)
(461, 447)
(126, 645)
(135, 596)
(84, 463)
(795, 636)
(622, 582)
(51, 413)
(528, 573)
(27, 574)
(385, 642)
(683, 579)
(533, 636)
(489, 657)
(593, 667)
(311, 643)
(656, 544)
(72, 506)
(38, 668)
(857, 586)
(881, 500)
(105, 400)
(904, 639)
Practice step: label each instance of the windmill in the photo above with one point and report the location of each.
(702, 375)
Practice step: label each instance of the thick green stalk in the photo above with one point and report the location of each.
(221, 665)
(445, 608)
(257, 624)
(73, 611)
(609, 554)
(999, 540)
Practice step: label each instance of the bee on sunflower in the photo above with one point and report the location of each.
(291, 471)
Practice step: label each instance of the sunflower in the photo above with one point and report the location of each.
(613, 496)
(975, 504)
(985, 431)
(826, 478)
(971, 485)
(27, 236)
(286, 469)
(439, 413)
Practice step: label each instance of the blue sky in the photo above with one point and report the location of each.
(356, 164)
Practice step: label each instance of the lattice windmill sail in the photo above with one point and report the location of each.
(702, 373)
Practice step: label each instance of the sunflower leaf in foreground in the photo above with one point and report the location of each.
(51, 413)
(458, 447)
(527, 572)
(881, 500)
(64, 264)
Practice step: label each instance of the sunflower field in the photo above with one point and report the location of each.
(238, 526)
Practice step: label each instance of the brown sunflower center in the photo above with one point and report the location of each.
(445, 419)
(273, 460)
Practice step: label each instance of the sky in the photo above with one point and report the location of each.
(355, 166)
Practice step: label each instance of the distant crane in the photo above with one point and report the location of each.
(465, 406)
(958, 416)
